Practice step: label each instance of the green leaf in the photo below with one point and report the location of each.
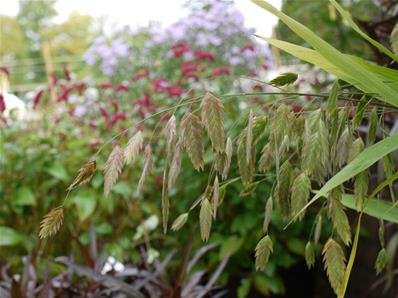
(24, 197)
(375, 208)
(244, 287)
(363, 161)
(352, 68)
(284, 79)
(389, 76)
(58, 171)
(347, 17)
(9, 236)
(85, 203)
(123, 188)
(230, 246)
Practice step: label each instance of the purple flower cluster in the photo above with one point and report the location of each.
(214, 24)
(107, 54)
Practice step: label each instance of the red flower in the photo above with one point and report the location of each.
(192, 75)
(144, 101)
(158, 180)
(115, 118)
(67, 73)
(110, 122)
(141, 74)
(5, 70)
(160, 85)
(152, 108)
(79, 86)
(221, 70)
(2, 103)
(174, 91)
(122, 87)
(317, 81)
(37, 98)
(297, 108)
(258, 87)
(120, 116)
(64, 95)
(104, 112)
(54, 79)
(252, 74)
(187, 68)
(179, 49)
(106, 85)
(93, 144)
(115, 105)
(203, 55)
(247, 47)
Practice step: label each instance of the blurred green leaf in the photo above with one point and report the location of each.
(244, 287)
(375, 208)
(24, 197)
(9, 237)
(265, 284)
(58, 171)
(85, 203)
(284, 79)
(230, 245)
(123, 188)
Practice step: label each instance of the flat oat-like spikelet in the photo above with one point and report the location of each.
(340, 221)
(193, 139)
(171, 129)
(180, 221)
(113, 168)
(84, 174)
(263, 251)
(51, 222)
(249, 138)
(334, 259)
(246, 170)
(213, 120)
(175, 165)
(148, 165)
(267, 159)
(216, 196)
(282, 189)
(133, 147)
(205, 219)
(309, 255)
(228, 152)
(267, 214)
(301, 188)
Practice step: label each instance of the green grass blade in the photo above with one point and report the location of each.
(351, 260)
(342, 62)
(387, 75)
(375, 208)
(347, 17)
